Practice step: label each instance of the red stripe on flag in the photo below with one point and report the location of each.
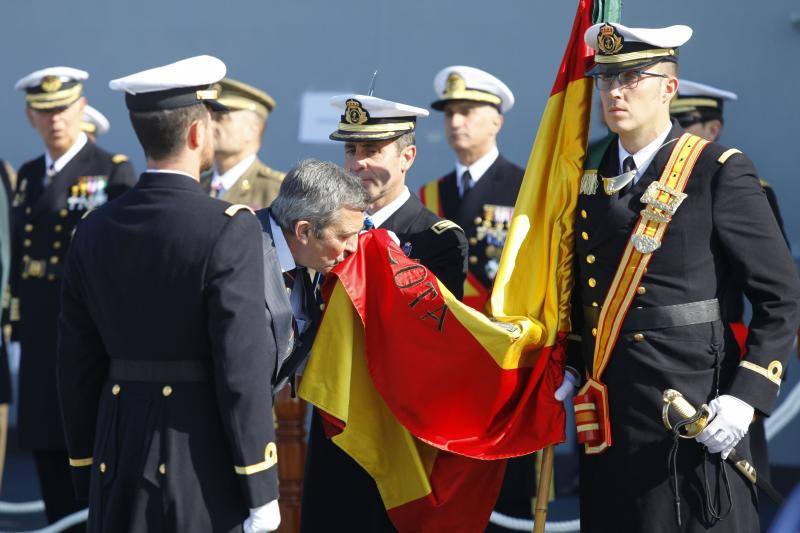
(578, 57)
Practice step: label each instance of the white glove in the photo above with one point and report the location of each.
(730, 419)
(567, 387)
(263, 519)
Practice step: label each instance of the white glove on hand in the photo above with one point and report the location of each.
(567, 387)
(263, 519)
(730, 419)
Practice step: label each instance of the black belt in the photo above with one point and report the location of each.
(186, 371)
(668, 316)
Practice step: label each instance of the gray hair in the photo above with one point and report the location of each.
(315, 191)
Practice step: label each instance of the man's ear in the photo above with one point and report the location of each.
(407, 157)
(670, 89)
(715, 129)
(303, 230)
(196, 135)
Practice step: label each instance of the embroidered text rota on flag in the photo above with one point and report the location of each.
(422, 390)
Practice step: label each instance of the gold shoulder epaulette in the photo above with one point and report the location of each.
(119, 158)
(444, 225)
(764, 183)
(727, 154)
(235, 208)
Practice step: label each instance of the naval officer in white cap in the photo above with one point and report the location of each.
(53, 192)
(165, 360)
(665, 220)
(480, 192)
(380, 148)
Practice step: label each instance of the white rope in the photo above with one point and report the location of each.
(75, 518)
(522, 524)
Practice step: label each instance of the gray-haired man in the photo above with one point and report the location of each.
(312, 224)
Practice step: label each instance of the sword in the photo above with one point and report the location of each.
(696, 420)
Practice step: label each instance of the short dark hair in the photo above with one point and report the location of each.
(406, 139)
(162, 133)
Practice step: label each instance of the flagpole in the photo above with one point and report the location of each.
(543, 491)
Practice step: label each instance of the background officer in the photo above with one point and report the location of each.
(94, 123)
(170, 430)
(53, 192)
(648, 299)
(379, 148)
(239, 176)
(480, 193)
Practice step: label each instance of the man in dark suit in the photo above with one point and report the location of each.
(379, 147)
(664, 222)
(313, 224)
(479, 195)
(53, 192)
(165, 350)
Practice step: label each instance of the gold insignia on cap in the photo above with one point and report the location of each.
(609, 41)
(354, 113)
(455, 84)
(51, 84)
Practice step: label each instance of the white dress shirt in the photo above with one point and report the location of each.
(53, 167)
(225, 182)
(476, 169)
(167, 171)
(643, 157)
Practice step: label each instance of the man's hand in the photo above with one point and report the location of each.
(730, 419)
(568, 385)
(263, 519)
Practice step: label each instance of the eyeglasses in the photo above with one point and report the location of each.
(627, 79)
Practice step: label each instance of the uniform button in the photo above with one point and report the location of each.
(167, 390)
(102, 468)
(595, 304)
(473, 241)
(640, 290)
(321, 307)
(54, 260)
(478, 220)
(28, 210)
(592, 282)
(584, 236)
(584, 214)
(162, 469)
(115, 390)
(51, 277)
(28, 228)
(57, 245)
(473, 260)
(57, 228)
(594, 332)
(590, 259)
(638, 337)
(63, 213)
(27, 243)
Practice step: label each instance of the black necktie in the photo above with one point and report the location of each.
(288, 279)
(628, 165)
(466, 182)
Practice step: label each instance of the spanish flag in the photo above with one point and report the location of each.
(427, 394)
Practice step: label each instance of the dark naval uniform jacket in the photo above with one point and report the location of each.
(43, 219)
(498, 186)
(339, 495)
(724, 226)
(165, 360)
